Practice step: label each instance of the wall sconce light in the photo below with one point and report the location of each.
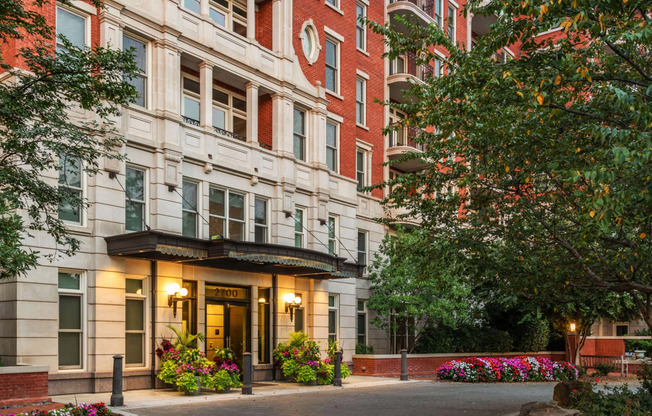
(291, 303)
(572, 327)
(175, 294)
(263, 301)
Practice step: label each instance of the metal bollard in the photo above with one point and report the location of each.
(337, 372)
(246, 375)
(117, 399)
(404, 375)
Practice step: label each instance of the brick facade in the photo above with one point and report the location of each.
(23, 385)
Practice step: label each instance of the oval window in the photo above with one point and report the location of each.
(307, 42)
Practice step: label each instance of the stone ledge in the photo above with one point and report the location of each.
(24, 402)
(23, 369)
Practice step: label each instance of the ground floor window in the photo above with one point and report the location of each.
(263, 326)
(189, 309)
(71, 319)
(135, 322)
(333, 307)
(362, 322)
(299, 316)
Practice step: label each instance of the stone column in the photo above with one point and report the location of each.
(206, 94)
(252, 112)
(251, 20)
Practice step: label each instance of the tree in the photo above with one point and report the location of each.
(38, 134)
(553, 147)
(412, 290)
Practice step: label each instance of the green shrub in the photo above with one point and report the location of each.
(642, 332)
(364, 349)
(463, 339)
(637, 344)
(604, 369)
(533, 335)
(617, 401)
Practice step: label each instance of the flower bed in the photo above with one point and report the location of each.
(475, 370)
(82, 409)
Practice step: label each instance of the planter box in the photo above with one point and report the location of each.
(23, 385)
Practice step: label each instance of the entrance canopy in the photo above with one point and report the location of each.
(232, 255)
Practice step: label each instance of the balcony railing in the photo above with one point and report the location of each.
(190, 121)
(425, 5)
(407, 64)
(405, 136)
(231, 134)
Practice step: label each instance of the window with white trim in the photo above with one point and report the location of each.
(261, 225)
(71, 319)
(397, 65)
(226, 214)
(299, 315)
(361, 168)
(333, 316)
(299, 228)
(230, 14)
(362, 247)
(299, 134)
(360, 27)
(139, 79)
(334, 3)
(332, 65)
(135, 180)
(72, 26)
(190, 100)
(452, 19)
(360, 101)
(189, 204)
(230, 114)
(439, 12)
(438, 68)
(71, 189)
(397, 137)
(332, 146)
(135, 298)
(362, 322)
(333, 236)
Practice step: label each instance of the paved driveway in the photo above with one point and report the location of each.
(415, 398)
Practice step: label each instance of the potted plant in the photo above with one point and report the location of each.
(187, 370)
(225, 373)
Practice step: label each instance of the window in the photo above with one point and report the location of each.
(190, 107)
(360, 101)
(135, 322)
(299, 315)
(70, 188)
(226, 214)
(332, 65)
(362, 322)
(71, 319)
(72, 26)
(397, 137)
(139, 79)
(360, 27)
(189, 207)
(397, 65)
(189, 308)
(360, 169)
(438, 68)
(439, 12)
(362, 247)
(135, 201)
(229, 14)
(263, 326)
(334, 3)
(230, 114)
(451, 22)
(622, 330)
(333, 235)
(333, 324)
(299, 230)
(260, 220)
(331, 146)
(299, 134)
(192, 5)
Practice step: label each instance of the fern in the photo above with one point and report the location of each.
(185, 339)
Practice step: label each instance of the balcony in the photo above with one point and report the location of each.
(423, 9)
(401, 141)
(405, 71)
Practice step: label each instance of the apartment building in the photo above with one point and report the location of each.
(239, 213)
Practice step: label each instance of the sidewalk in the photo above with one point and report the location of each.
(137, 399)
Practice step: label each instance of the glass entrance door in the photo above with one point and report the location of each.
(227, 326)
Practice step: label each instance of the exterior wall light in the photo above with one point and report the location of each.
(572, 327)
(291, 303)
(176, 293)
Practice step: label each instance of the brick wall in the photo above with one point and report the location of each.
(424, 364)
(265, 120)
(602, 346)
(19, 388)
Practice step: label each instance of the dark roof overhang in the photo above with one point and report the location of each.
(231, 255)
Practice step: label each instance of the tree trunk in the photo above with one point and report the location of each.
(643, 308)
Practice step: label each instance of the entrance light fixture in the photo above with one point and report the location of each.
(176, 293)
(291, 303)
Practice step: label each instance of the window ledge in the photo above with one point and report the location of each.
(335, 8)
(334, 94)
(78, 229)
(362, 126)
(362, 51)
